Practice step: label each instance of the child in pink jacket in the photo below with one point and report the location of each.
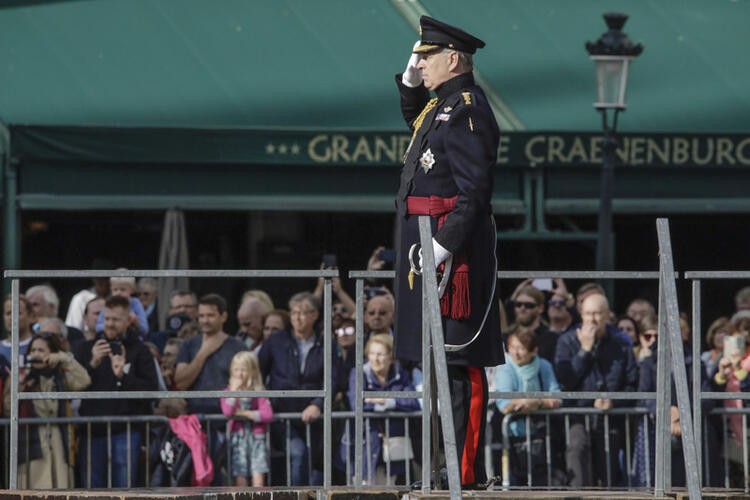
(248, 427)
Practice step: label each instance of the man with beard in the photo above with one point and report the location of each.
(116, 360)
(203, 363)
(528, 306)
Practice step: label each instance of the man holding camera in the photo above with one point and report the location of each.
(116, 360)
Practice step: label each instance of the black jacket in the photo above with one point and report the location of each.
(140, 377)
(609, 366)
(279, 365)
(453, 154)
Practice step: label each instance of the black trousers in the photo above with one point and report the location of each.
(586, 456)
(468, 388)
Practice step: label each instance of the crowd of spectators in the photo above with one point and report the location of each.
(554, 340)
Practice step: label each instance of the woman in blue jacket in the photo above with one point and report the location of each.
(524, 371)
(381, 373)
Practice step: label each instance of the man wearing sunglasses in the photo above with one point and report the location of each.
(560, 319)
(528, 307)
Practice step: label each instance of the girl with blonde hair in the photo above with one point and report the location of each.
(249, 421)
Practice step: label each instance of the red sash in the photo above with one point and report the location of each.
(455, 301)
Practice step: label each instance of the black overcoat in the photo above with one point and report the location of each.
(452, 155)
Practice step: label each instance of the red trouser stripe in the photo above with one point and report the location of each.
(473, 426)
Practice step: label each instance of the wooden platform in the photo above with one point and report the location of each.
(344, 493)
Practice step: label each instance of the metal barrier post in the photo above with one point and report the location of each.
(662, 474)
(669, 290)
(327, 384)
(505, 461)
(429, 289)
(695, 342)
(427, 410)
(358, 383)
(529, 480)
(13, 483)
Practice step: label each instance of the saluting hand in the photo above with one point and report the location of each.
(412, 76)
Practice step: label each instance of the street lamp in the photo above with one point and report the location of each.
(612, 54)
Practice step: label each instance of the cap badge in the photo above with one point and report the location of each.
(427, 160)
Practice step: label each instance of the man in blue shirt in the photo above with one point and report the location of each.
(294, 360)
(203, 365)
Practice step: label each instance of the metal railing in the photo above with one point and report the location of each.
(326, 392)
(633, 415)
(565, 414)
(670, 349)
(698, 395)
(149, 422)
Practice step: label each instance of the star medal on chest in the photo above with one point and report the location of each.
(427, 160)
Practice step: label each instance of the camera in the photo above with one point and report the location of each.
(116, 347)
(387, 255)
(329, 261)
(29, 361)
(372, 291)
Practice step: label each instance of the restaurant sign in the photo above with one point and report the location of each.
(524, 149)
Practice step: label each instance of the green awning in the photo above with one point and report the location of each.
(291, 104)
(692, 75)
(329, 64)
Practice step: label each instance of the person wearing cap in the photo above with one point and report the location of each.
(447, 175)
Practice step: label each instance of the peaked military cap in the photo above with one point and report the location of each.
(436, 34)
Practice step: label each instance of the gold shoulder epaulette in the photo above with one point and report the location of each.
(467, 97)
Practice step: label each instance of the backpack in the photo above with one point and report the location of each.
(171, 459)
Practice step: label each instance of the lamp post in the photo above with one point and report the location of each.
(612, 54)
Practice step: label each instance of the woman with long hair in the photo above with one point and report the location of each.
(44, 449)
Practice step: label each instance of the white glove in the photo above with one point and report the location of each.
(440, 254)
(412, 76)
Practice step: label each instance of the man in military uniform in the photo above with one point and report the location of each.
(447, 175)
